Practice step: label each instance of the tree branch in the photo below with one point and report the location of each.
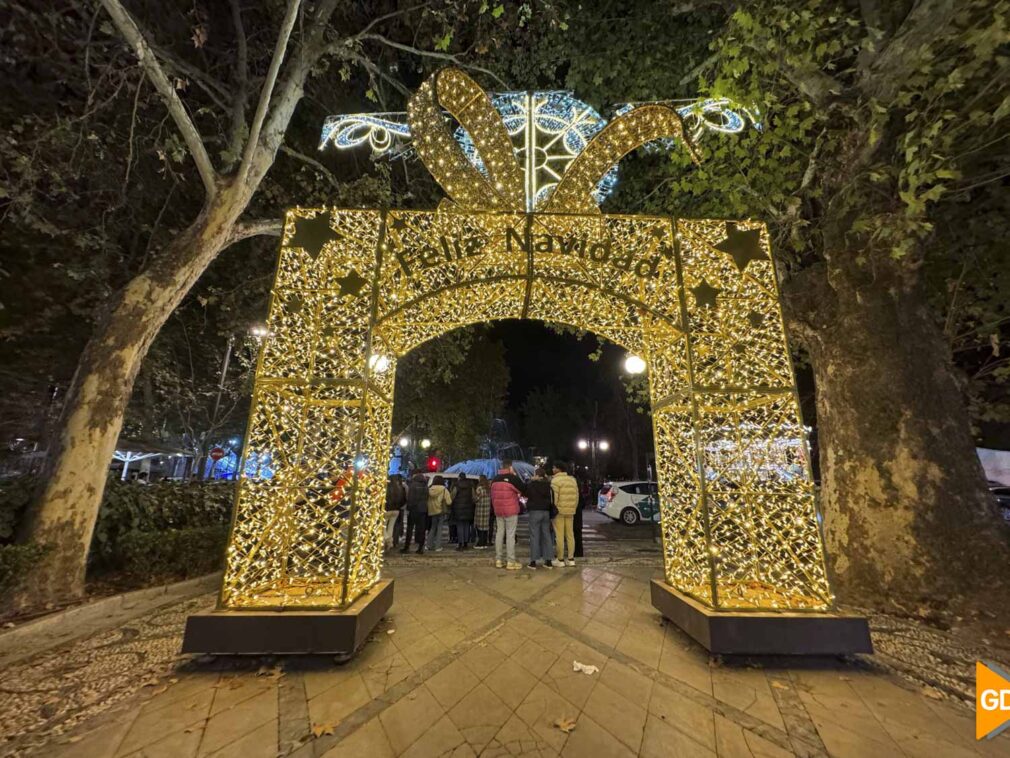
(309, 160)
(268, 88)
(214, 89)
(388, 16)
(270, 227)
(132, 34)
(372, 67)
(928, 21)
(430, 54)
(241, 97)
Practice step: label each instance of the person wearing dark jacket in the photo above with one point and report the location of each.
(538, 504)
(417, 512)
(396, 497)
(462, 509)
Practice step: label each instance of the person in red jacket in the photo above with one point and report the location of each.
(506, 489)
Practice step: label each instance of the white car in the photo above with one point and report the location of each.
(623, 501)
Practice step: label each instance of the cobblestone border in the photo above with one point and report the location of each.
(39, 635)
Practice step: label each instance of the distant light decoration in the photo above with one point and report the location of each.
(634, 365)
(382, 131)
(548, 130)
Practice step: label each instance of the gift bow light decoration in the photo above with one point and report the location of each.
(548, 129)
(696, 299)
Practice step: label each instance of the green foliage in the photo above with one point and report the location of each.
(131, 508)
(181, 553)
(15, 496)
(157, 530)
(451, 388)
(15, 561)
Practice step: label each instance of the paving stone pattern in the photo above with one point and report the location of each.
(472, 661)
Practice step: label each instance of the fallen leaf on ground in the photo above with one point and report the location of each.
(779, 686)
(75, 738)
(585, 668)
(318, 730)
(390, 631)
(150, 682)
(566, 725)
(932, 692)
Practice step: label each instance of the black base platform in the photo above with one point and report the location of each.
(762, 633)
(289, 632)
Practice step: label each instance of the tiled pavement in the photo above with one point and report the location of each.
(473, 661)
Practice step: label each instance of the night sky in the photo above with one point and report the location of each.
(539, 357)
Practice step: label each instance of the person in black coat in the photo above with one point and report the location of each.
(396, 497)
(464, 503)
(539, 499)
(417, 512)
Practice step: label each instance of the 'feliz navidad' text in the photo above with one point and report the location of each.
(452, 249)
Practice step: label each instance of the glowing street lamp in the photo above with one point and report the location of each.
(379, 364)
(592, 445)
(425, 443)
(404, 442)
(633, 364)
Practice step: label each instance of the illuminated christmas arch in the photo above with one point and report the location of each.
(697, 299)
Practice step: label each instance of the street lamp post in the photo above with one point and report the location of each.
(592, 445)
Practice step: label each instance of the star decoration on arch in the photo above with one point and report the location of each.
(742, 245)
(351, 283)
(705, 294)
(312, 234)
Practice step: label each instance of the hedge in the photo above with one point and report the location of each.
(145, 531)
(173, 552)
(15, 560)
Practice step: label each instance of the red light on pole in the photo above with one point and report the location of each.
(434, 463)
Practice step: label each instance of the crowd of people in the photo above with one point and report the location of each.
(478, 511)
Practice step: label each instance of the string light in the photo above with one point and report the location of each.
(694, 301)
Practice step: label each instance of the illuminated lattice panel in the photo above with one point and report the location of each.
(763, 531)
(685, 547)
(620, 254)
(403, 330)
(737, 339)
(292, 530)
(764, 528)
(429, 251)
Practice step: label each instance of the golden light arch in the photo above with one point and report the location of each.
(697, 299)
